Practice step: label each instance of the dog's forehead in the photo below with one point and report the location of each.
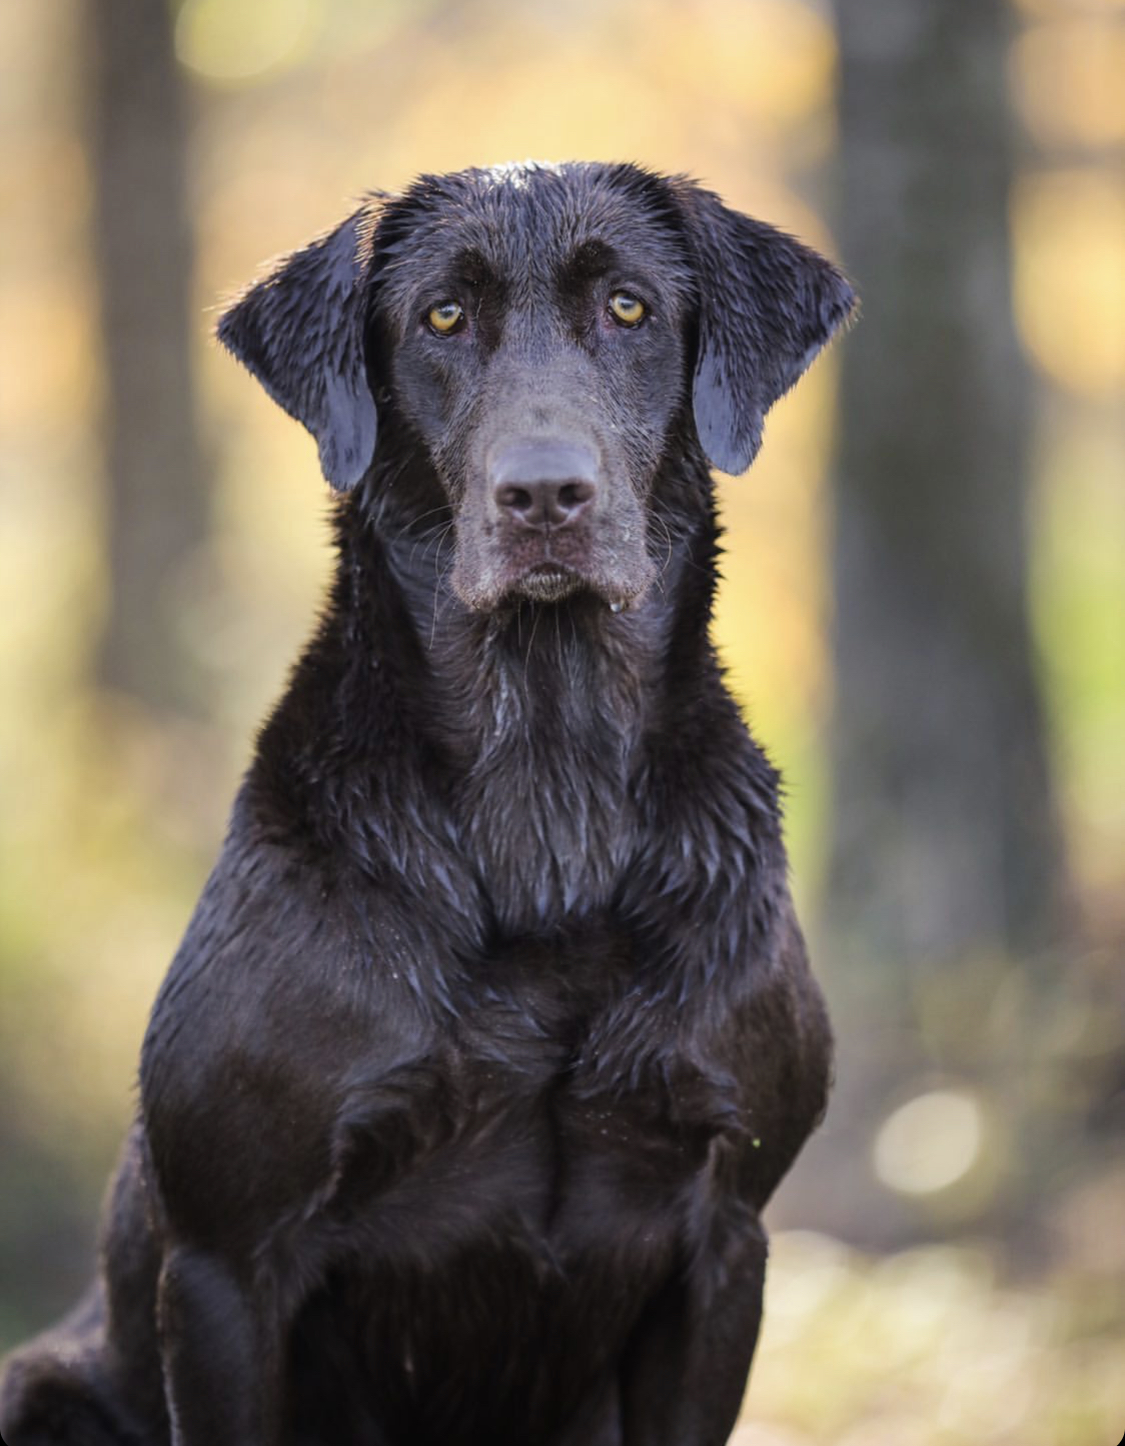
(526, 221)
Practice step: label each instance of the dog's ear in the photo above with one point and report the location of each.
(300, 332)
(767, 305)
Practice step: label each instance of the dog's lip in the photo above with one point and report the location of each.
(548, 582)
(550, 569)
(553, 582)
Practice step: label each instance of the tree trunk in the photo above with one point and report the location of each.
(945, 857)
(156, 497)
(944, 841)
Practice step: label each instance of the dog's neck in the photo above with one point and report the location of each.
(546, 708)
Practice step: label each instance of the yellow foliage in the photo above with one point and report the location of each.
(1069, 254)
(1068, 76)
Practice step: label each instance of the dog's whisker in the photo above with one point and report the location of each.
(538, 613)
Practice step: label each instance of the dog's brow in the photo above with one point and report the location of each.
(591, 258)
(471, 266)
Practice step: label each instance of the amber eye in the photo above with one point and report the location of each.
(626, 309)
(445, 317)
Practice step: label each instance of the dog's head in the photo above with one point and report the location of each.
(542, 330)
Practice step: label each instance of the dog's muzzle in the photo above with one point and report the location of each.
(544, 494)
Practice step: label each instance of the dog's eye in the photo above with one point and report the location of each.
(445, 317)
(626, 308)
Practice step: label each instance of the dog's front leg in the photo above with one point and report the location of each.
(685, 1369)
(221, 1356)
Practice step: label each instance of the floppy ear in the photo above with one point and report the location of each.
(767, 305)
(300, 332)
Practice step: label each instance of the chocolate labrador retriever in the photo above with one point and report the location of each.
(493, 1030)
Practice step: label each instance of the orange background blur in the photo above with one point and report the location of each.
(112, 811)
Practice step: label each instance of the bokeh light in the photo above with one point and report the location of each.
(248, 40)
(1069, 251)
(929, 1143)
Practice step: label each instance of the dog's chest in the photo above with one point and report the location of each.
(504, 1129)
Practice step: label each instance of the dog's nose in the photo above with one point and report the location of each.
(543, 485)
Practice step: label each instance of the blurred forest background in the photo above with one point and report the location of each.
(923, 612)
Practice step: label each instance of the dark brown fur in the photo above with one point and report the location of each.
(493, 1031)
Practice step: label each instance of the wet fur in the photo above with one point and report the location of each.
(493, 1031)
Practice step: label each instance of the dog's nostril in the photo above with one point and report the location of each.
(517, 499)
(573, 495)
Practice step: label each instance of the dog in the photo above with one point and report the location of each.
(493, 1030)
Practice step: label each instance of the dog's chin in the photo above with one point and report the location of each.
(547, 584)
(553, 584)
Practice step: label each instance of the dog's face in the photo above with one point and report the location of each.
(533, 328)
(541, 329)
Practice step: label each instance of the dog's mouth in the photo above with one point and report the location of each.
(548, 582)
(491, 573)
